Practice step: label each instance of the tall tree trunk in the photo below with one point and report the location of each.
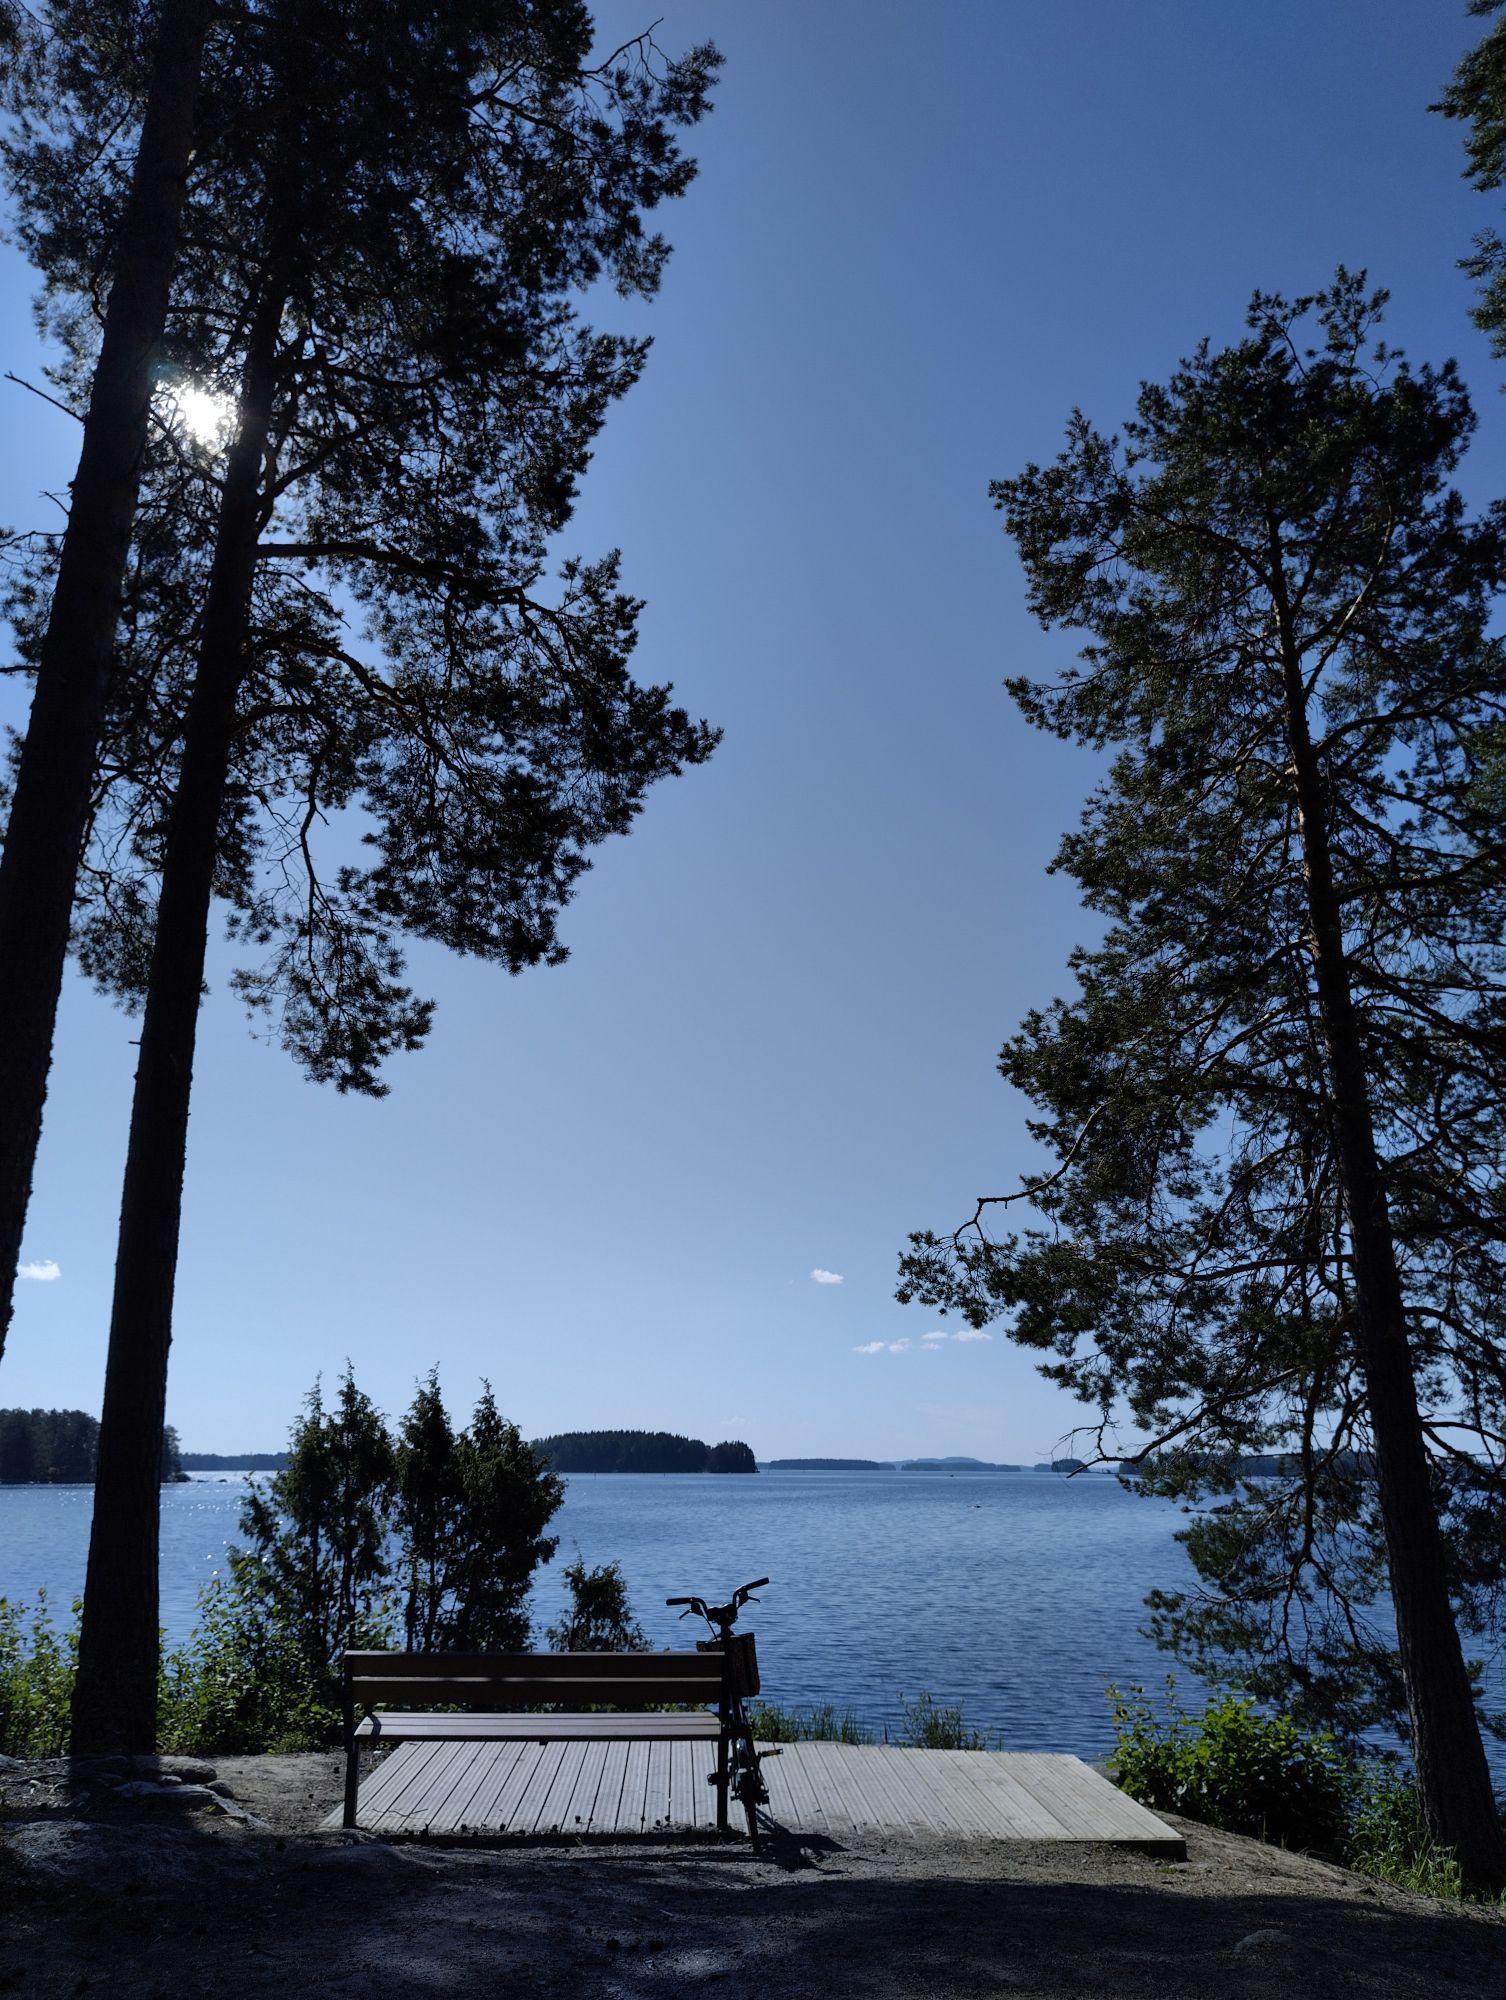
(115, 1696)
(51, 804)
(1453, 1778)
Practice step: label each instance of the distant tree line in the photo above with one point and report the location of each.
(831, 1464)
(1220, 1472)
(59, 1448)
(641, 1451)
(235, 1461)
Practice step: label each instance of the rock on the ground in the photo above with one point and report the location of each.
(81, 1854)
(366, 1860)
(1258, 1941)
(189, 1769)
(171, 1792)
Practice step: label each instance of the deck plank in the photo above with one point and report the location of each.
(461, 1802)
(555, 1804)
(888, 1779)
(838, 1803)
(632, 1814)
(924, 1788)
(413, 1777)
(683, 1781)
(583, 1797)
(608, 1806)
(793, 1800)
(1092, 1807)
(446, 1807)
(1012, 1815)
(486, 1810)
(657, 1801)
(507, 1803)
(615, 1787)
(540, 1783)
(383, 1777)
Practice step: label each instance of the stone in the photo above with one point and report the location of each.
(371, 1859)
(189, 1769)
(232, 1807)
(1259, 1941)
(175, 1793)
(105, 1859)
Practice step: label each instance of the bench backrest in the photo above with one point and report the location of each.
(569, 1680)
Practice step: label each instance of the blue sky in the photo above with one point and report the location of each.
(919, 236)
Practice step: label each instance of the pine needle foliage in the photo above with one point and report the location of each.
(1272, 1211)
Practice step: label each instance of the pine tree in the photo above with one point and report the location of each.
(600, 1618)
(319, 1563)
(470, 1510)
(480, 186)
(1478, 95)
(1274, 1102)
(65, 79)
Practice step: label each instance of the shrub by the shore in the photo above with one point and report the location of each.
(1235, 1768)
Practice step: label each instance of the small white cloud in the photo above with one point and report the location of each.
(972, 1333)
(870, 1347)
(43, 1273)
(899, 1346)
(928, 1339)
(826, 1277)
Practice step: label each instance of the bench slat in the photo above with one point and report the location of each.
(529, 1666)
(394, 1727)
(521, 1694)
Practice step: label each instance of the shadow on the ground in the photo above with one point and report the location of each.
(141, 1914)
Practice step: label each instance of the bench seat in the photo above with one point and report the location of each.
(395, 1726)
(553, 1698)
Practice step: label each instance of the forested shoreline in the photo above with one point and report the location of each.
(61, 1448)
(642, 1451)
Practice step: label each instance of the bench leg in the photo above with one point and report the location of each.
(352, 1778)
(721, 1783)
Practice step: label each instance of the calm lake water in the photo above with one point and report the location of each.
(1017, 1594)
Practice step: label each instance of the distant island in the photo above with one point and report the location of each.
(1252, 1465)
(59, 1448)
(955, 1465)
(641, 1451)
(235, 1461)
(829, 1464)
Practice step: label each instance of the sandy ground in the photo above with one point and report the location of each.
(147, 1896)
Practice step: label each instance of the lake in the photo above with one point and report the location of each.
(1018, 1595)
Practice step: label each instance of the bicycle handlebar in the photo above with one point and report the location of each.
(740, 1596)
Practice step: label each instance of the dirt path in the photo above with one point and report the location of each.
(144, 1897)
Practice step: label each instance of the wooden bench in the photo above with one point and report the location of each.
(568, 1698)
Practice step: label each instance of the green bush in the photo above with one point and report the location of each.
(600, 1618)
(243, 1681)
(36, 1680)
(1386, 1836)
(1235, 1768)
(772, 1724)
(931, 1725)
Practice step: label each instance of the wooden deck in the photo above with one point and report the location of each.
(834, 1789)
